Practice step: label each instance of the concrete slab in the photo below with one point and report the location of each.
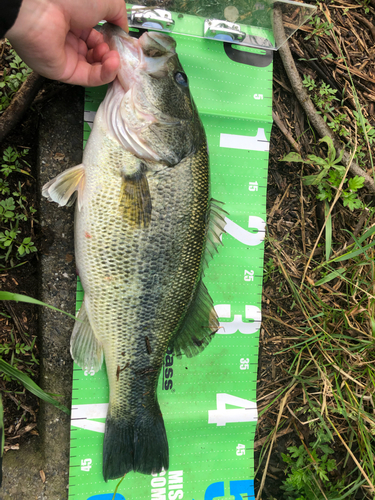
(60, 147)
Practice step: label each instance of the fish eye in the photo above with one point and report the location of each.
(181, 79)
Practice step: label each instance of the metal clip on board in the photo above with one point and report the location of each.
(223, 30)
(245, 23)
(159, 19)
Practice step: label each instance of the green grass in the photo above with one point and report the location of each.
(332, 362)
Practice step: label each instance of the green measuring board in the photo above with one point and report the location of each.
(209, 401)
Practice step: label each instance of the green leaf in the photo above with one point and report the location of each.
(339, 158)
(351, 255)
(331, 148)
(30, 385)
(351, 201)
(24, 298)
(309, 180)
(322, 162)
(356, 183)
(328, 230)
(331, 276)
(292, 157)
(367, 234)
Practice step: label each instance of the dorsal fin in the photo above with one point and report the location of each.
(215, 228)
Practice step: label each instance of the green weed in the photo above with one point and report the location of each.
(269, 268)
(12, 161)
(13, 78)
(308, 470)
(14, 210)
(330, 176)
(320, 28)
(333, 366)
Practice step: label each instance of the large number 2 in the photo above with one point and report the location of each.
(253, 237)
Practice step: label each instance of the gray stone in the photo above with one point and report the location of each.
(60, 147)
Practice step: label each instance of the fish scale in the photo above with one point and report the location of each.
(144, 231)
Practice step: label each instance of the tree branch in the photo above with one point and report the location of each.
(20, 103)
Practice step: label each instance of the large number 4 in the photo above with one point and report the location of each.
(223, 415)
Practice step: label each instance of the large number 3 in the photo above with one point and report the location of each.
(252, 313)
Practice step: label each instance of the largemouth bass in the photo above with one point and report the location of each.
(144, 230)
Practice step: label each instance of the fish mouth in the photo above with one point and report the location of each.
(148, 54)
(129, 51)
(127, 107)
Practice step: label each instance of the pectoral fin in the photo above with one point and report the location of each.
(62, 188)
(136, 200)
(199, 327)
(85, 348)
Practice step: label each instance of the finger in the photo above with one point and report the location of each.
(82, 47)
(110, 66)
(117, 14)
(77, 44)
(97, 53)
(92, 75)
(94, 38)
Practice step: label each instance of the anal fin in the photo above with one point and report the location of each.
(200, 325)
(85, 348)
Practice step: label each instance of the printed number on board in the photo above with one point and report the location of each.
(236, 488)
(247, 411)
(89, 372)
(250, 324)
(249, 275)
(240, 450)
(252, 237)
(244, 363)
(86, 464)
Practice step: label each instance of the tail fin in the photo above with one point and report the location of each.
(141, 446)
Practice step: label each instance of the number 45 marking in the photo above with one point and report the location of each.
(247, 411)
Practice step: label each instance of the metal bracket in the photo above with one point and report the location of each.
(223, 30)
(143, 17)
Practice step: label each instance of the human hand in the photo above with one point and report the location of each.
(55, 38)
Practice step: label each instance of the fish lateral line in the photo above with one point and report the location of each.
(146, 370)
